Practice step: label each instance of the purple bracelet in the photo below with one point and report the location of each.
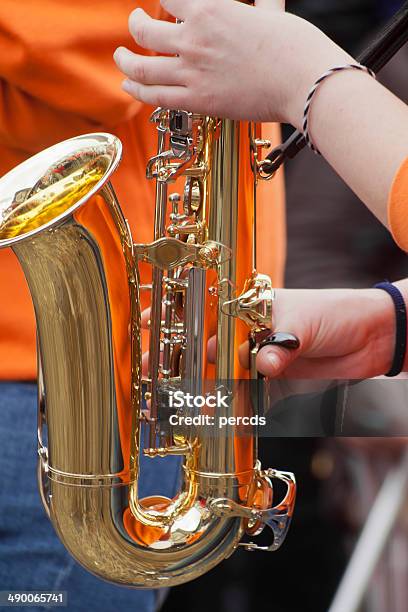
(400, 327)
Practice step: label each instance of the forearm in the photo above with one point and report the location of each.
(361, 129)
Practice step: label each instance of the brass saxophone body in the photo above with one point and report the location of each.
(60, 216)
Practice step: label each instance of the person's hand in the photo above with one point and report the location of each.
(227, 59)
(343, 333)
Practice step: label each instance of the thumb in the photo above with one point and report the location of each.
(272, 361)
(271, 5)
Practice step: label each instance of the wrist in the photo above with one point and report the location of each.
(403, 287)
(382, 331)
(307, 61)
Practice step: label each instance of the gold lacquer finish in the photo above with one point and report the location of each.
(80, 270)
(59, 214)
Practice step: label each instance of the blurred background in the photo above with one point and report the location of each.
(333, 241)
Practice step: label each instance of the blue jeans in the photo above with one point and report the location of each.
(31, 556)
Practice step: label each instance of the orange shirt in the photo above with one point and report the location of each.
(398, 207)
(58, 80)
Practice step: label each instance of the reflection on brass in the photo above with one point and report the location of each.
(167, 253)
(52, 199)
(254, 305)
(278, 517)
(170, 253)
(259, 165)
(192, 195)
(60, 215)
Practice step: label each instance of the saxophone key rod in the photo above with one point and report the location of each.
(156, 297)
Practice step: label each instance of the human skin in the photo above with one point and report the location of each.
(242, 62)
(343, 333)
(215, 64)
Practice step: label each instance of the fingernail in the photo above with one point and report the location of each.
(118, 54)
(126, 86)
(135, 15)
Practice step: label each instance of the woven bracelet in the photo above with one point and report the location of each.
(313, 91)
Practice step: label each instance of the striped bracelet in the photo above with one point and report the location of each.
(313, 91)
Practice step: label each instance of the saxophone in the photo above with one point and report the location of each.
(60, 216)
